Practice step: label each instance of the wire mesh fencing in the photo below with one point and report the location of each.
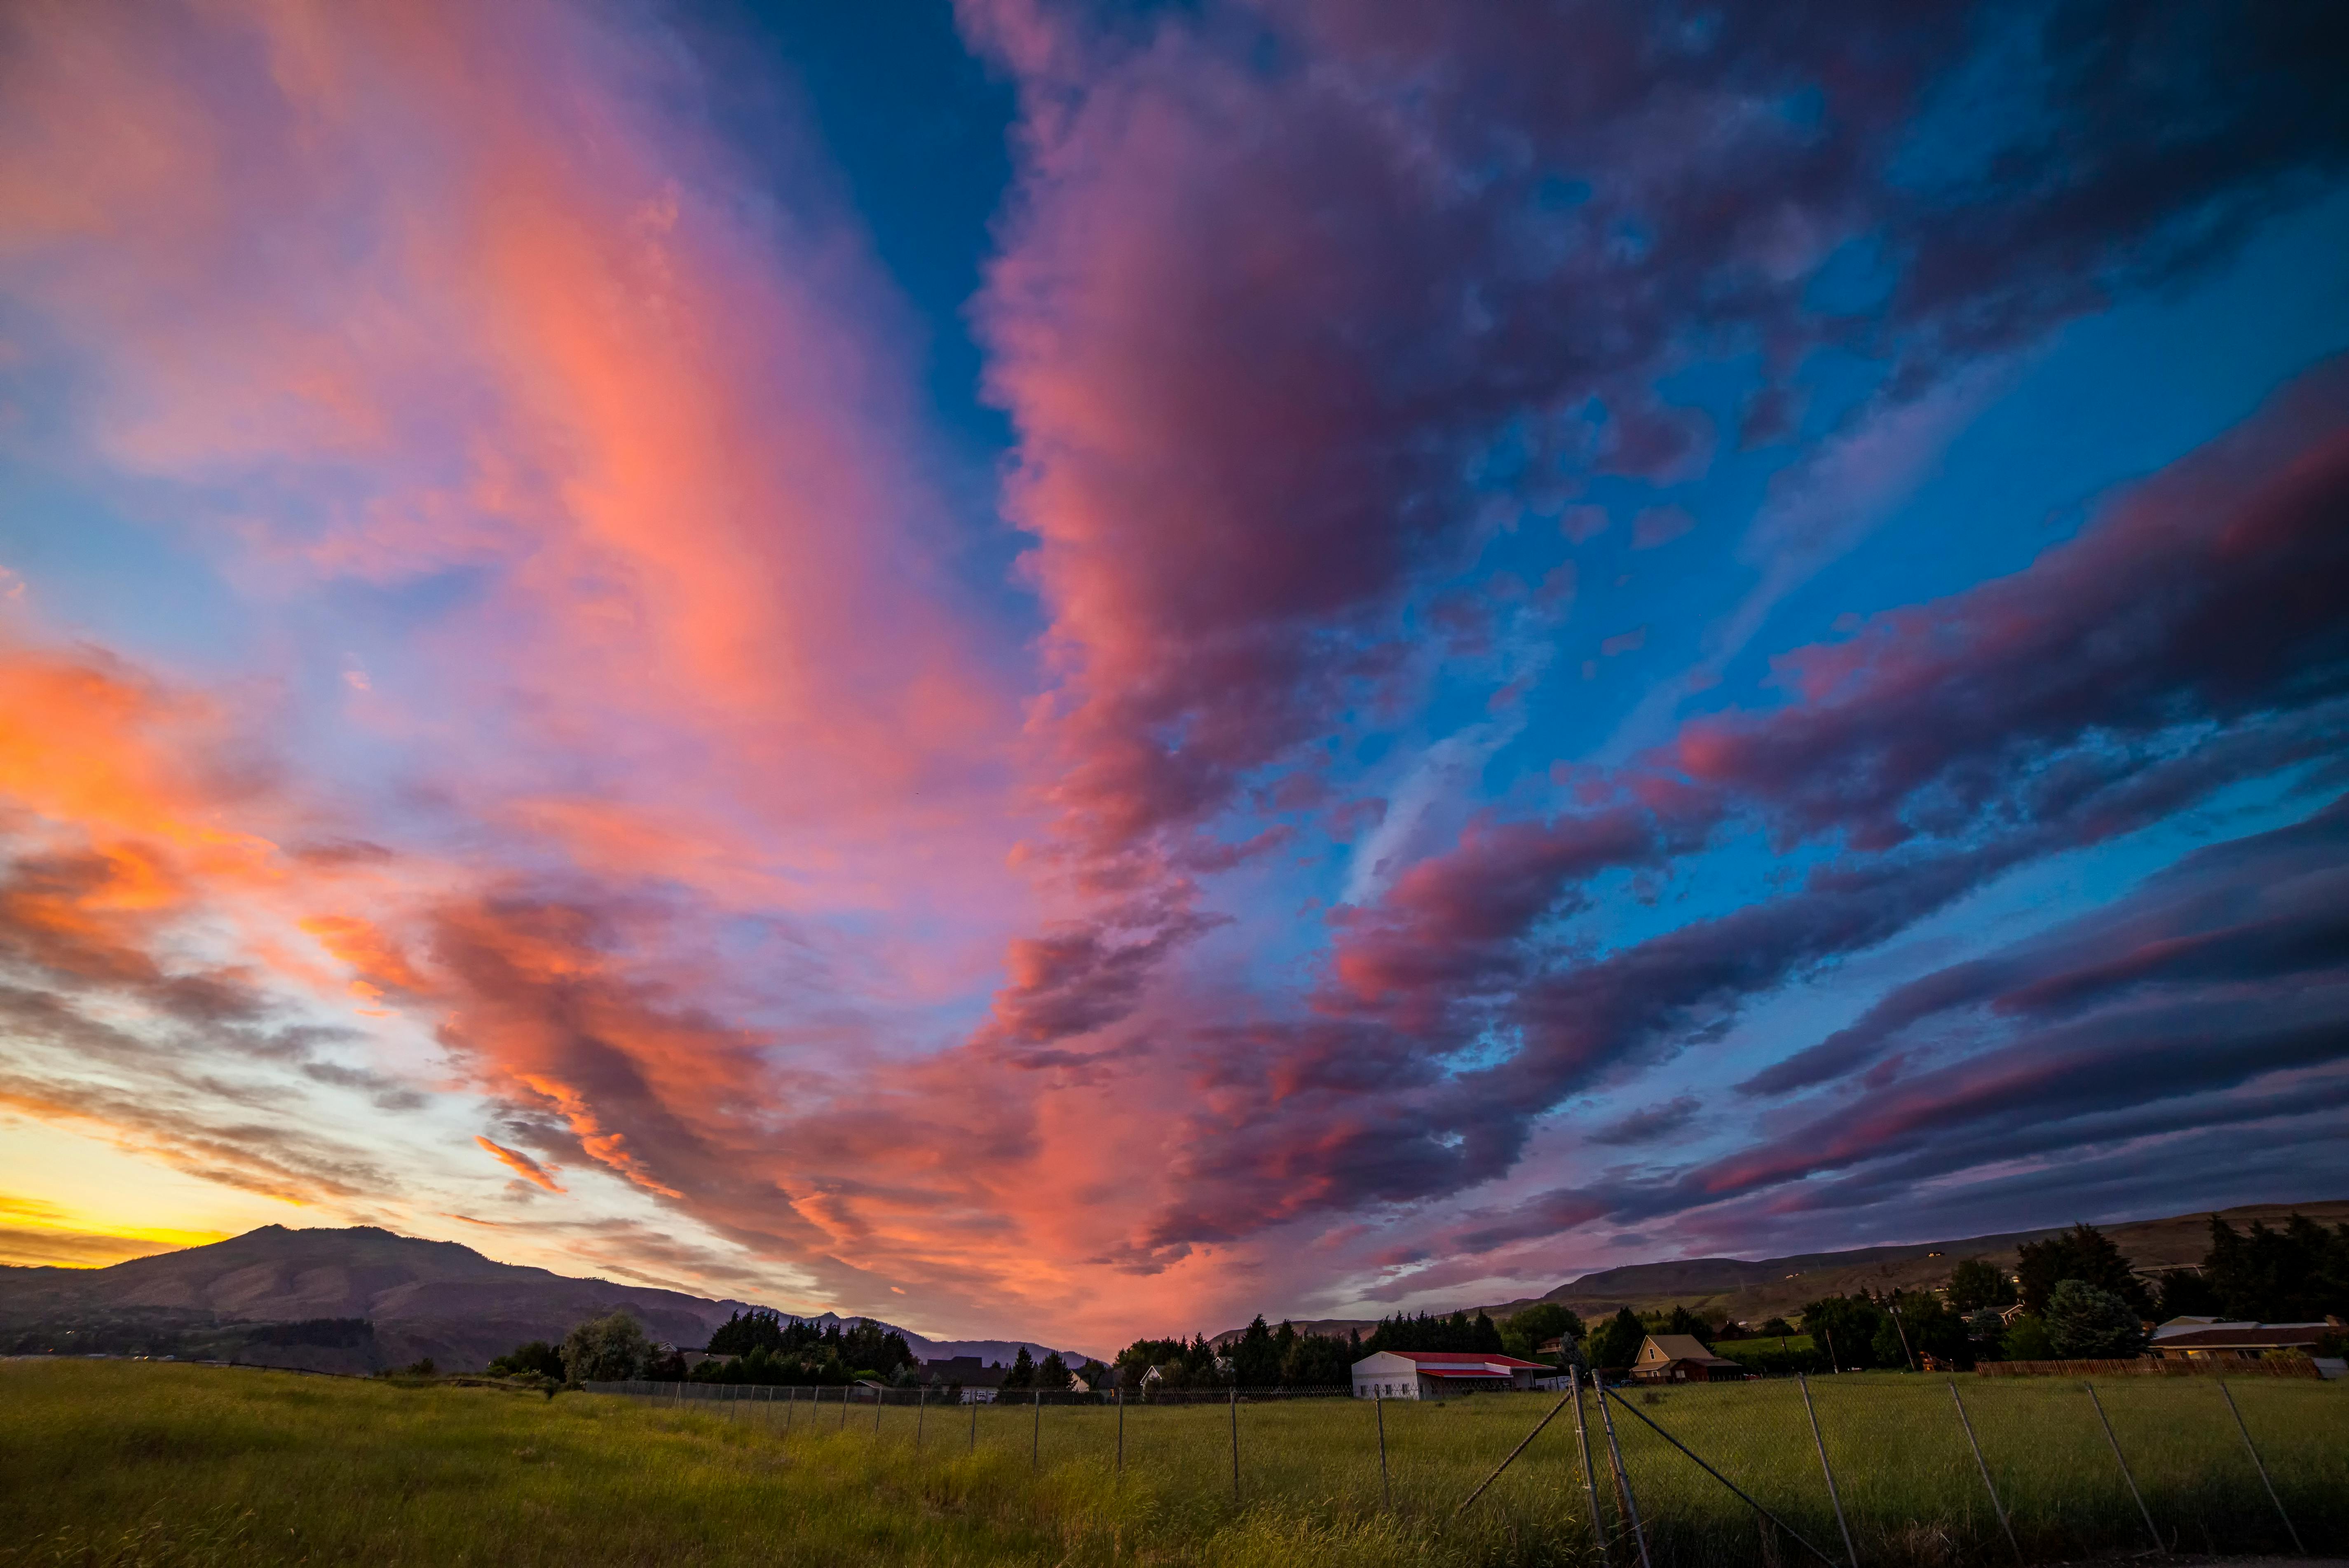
(1872, 1471)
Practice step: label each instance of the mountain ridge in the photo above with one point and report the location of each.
(1750, 1289)
(424, 1298)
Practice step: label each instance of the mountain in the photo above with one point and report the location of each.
(363, 1299)
(1752, 1289)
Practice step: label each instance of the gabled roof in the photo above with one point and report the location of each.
(1679, 1347)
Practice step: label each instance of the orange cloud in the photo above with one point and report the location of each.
(520, 1164)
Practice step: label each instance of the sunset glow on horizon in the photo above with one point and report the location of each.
(1060, 670)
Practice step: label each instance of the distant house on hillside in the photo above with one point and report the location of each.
(1681, 1358)
(1433, 1373)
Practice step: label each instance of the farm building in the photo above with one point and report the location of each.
(1435, 1374)
(1681, 1358)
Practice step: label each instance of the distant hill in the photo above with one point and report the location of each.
(397, 1298)
(1752, 1289)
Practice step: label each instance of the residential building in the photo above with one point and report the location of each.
(1681, 1358)
(2199, 1339)
(977, 1378)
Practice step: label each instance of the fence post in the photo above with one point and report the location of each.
(1236, 1442)
(1590, 1475)
(1833, 1495)
(1996, 1507)
(1120, 1429)
(974, 1426)
(1622, 1479)
(1901, 1329)
(1386, 1488)
(1743, 1497)
(2261, 1465)
(1505, 1463)
(2146, 1512)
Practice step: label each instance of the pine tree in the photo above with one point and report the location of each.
(2084, 1254)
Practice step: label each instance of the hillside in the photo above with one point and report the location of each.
(1751, 1289)
(436, 1299)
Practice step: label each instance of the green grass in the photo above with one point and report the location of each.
(111, 1462)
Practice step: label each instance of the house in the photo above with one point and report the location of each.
(1681, 1358)
(1433, 1373)
(978, 1379)
(2201, 1338)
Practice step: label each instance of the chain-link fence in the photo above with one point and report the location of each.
(1874, 1470)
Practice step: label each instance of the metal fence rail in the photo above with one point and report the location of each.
(1874, 1471)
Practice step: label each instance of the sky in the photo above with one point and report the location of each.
(1063, 670)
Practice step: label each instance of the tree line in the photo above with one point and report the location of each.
(1264, 1356)
(764, 1347)
(2080, 1298)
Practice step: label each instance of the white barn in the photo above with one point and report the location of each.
(1433, 1374)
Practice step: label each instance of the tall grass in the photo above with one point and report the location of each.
(110, 1462)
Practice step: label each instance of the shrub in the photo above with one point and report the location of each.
(2088, 1324)
(2026, 1339)
(606, 1349)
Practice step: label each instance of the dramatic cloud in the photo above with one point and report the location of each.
(518, 709)
(2077, 700)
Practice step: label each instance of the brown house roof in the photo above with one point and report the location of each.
(1679, 1347)
(2253, 1337)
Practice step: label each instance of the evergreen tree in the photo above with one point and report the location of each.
(2084, 1254)
(1022, 1373)
(1617, 1342)
(745, 1332)
(2186, 1294)
(1975, 1283)
(2297, 1274)
(1256, 1360)
(1681, 1320)
(2086, 1323)
(1052, 1373)
(1318, 1361)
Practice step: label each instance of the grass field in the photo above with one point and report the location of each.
(113, 1462)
